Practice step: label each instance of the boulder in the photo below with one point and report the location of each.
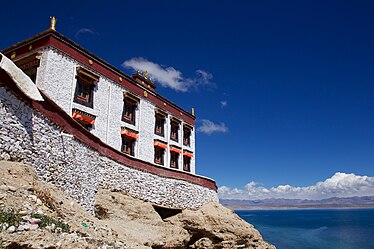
(120, 221)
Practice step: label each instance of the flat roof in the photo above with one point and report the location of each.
(55, 39)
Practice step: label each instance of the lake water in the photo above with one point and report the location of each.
(314, 229)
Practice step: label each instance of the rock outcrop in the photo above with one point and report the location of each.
(36, 215)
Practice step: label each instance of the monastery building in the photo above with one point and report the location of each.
(124, 112)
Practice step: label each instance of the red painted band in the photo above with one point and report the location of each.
(57, 115)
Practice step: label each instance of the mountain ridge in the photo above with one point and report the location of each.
(282, 203)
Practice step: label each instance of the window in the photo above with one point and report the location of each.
(29, 65)
(129, 108)
(85, 119)
(186, 136)
(186, 163)
(159, 124)
(174, 156)
(84, 89)
(159, 155)
(128, 141)
(128, 145)
(187, 155)
(174, 131)
(159, 151)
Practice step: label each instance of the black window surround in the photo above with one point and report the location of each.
(128, 145)
(160, 124)
(186, 163)
(174, 157)
(84, 90)
(130, 104)
(187, 136)
(159, 155)
(174, 130)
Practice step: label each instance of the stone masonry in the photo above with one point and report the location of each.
(59, 158)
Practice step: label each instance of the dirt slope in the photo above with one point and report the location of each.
(36, 215)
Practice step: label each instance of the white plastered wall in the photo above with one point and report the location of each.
(146, 131)
(57, 77)
(115, 114)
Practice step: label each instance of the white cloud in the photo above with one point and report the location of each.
(339, 185)
(169, 76)
(208, 127)
(85, 31)
(205, 77)
(223, 103)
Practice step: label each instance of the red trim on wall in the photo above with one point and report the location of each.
(57, 115)
(187, 154)
(160, 145)
(53, 112)
(22, 49)
(67, 46)
(129, 133)
(115, 77)
(83, 118)
(173, 149)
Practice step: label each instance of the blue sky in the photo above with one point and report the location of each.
(283, 90)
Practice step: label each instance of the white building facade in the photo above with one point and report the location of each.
(124, 112)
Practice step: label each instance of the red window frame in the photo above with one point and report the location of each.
(159, 155)
(174, 131)
(159, 125)
(186, 136)
(129, 110)
(84, 90)
(174, 157)
(187, 163)
(128, 145)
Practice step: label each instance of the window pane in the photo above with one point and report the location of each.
(84, 91)
(129, 108)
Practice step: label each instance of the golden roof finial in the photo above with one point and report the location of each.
(193, 111)
(53, 23)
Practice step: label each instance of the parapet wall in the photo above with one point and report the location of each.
(63, 153)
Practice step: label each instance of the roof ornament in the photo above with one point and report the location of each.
(145, 75)
(52, 23)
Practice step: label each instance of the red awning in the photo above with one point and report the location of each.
(129, 133)
(188, 154)
(84, 118)
(173, 149)
(160, 145)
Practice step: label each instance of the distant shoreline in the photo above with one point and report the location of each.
(242, 208)
(354, 202)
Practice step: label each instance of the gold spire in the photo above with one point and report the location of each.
(193, 111)
(53, 23)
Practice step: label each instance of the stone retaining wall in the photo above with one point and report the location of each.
(62, 159)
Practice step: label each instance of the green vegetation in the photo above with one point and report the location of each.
(47, 221)
(12, 218)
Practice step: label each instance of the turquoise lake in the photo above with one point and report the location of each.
(315, 228)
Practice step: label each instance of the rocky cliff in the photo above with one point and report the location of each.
(37, 215)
